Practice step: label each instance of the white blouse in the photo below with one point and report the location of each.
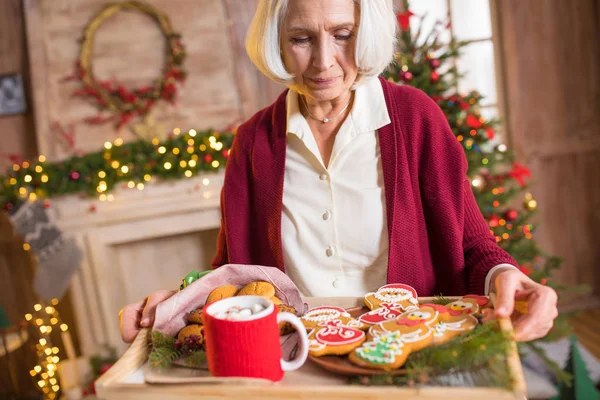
(334, 227)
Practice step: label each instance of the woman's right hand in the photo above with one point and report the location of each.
(135, 316)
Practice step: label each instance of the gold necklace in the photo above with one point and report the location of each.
(325, 120)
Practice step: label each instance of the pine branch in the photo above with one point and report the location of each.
(195, 359)
(562, 376)
(163, 357)
(161, 340)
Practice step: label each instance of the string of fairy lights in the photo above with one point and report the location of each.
(46, 319)
(134, 164)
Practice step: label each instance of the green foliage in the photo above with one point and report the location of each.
(475, 359)
(100, 172)
(164, 352)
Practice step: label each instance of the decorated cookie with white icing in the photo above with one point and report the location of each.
(415, 326)
(334, 338)
(395, 293)
(387, 352)
(470, 304)
(451, 325)
(316, 316)
(385, 312)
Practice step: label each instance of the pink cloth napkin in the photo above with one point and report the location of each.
(171, 313)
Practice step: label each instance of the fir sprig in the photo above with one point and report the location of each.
(475, 359)
(165, 352)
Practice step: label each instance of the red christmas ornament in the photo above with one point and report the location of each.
(494, 220)
(511, 215)
(208, 158)
(8, 206)
(225, 153)
(406, 76)
(435, 77)
(404, 20)
(93, 208)
(47, 204)
(490, 133)
(473, 121)
(434, 63)
(519, 173)
(75, 175)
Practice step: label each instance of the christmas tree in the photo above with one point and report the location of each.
(498, 181)
(582, 387)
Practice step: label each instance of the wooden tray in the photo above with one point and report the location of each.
(125, 380)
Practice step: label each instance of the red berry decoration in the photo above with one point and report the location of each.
(494, 220)
(434, 63)
(406, 76)
(435, 77)
(208, 158)
(511, 215)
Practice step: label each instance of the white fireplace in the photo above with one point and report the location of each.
(139, 242)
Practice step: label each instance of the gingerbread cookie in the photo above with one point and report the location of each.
(415, 326)
(276, 301)
(263, 289)
(285, 328)
(195, 317)
(395, 293)
(333, 338)
(220, 293)
(386, 352)
(318, 315)
(191, 330)
(385, 312)
(450, 327)
(469, 304)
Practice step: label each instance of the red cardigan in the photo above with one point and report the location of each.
(439, 241)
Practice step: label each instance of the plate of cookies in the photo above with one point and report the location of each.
(379, 337)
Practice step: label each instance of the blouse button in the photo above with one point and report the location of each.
(323, 177)
(329, 251)
(327, 215)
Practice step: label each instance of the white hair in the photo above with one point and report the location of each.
(375, 42)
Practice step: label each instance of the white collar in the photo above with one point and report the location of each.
(368, 113)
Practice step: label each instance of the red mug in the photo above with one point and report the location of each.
(250, 347)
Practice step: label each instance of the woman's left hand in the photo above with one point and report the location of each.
(512, 285)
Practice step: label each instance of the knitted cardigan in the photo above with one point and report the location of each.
(438, 239)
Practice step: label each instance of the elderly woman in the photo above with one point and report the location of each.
(348, 182)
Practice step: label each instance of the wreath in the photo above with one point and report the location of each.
(110, 95)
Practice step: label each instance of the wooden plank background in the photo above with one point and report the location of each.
(130, 48)
(17, 132)
(552, 83)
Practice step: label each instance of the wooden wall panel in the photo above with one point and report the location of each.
(129, 47)
(551, 54)
(16, 132)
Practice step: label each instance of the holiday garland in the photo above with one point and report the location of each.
(110, 95)
(181, 155)
(475, 359)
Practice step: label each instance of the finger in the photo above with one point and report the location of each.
(506, 286)
(153, 301)
(541, 313)
(537, 333)
(129, 320)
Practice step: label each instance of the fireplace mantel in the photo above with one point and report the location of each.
(139, 242)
